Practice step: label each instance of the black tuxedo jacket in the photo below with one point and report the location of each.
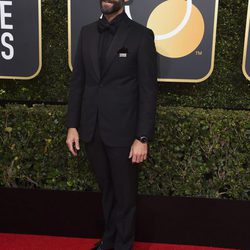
(124, 95)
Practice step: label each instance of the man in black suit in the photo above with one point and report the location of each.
(111, 108)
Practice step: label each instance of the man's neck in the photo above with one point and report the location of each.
(110, 17)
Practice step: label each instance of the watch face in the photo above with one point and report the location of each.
(144, 139)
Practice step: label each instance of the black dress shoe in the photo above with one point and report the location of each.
(99, 246)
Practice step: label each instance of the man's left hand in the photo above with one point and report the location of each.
(138, 151)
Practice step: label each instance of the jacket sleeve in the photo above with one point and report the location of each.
(147, 80)
(77, 83)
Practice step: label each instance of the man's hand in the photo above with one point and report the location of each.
(73, 140)
(138, 151)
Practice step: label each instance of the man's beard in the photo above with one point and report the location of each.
(117, 5)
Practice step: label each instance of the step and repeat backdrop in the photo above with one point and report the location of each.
(202, 151)
(185, 40)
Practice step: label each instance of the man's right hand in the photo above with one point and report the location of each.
(72, 141)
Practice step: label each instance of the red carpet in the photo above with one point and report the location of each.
(37, 242)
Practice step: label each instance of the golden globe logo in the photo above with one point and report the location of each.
(178, 26)
(173, 38)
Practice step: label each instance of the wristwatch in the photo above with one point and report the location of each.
(142, 139)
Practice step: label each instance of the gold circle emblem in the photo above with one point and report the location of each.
(178, 26)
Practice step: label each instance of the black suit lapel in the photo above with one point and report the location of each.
(117, 43)
(94, 43)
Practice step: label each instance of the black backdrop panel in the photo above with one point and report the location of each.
(192, 60)
(20, 44)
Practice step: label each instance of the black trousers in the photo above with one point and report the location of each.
(117, 179)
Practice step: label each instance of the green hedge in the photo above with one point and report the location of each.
(196, 152)
(227, 86)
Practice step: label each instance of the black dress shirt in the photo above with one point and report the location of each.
(107, 34)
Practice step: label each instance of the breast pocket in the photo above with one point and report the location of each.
(125, 59)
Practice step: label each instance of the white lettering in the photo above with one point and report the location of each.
(4, 15)
(4, 37)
